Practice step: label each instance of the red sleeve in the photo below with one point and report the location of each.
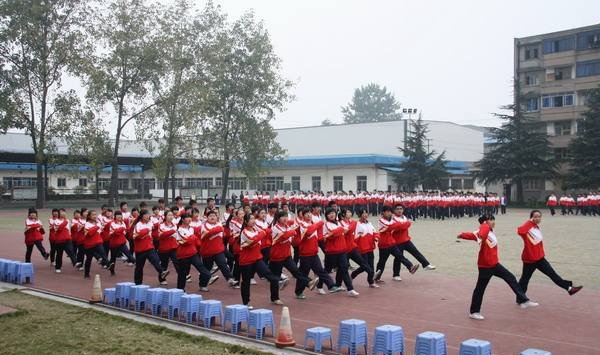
(63, 225)
(468, 236)
(94, 229)
(213, 231)
(524, 228)
(314, 227)
(144, 232)
(165, 234)
(404, 225)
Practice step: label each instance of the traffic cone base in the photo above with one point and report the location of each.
(284, 333)
(96, 290)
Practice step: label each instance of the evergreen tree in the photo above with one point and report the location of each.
(423, 167)
(584, 150)
(372, 103)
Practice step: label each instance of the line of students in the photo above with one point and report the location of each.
(587, 204)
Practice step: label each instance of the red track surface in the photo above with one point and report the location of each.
(425, 301)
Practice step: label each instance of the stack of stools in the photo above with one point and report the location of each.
(475, 347)
(535, 352)
(389, 339)
(154, 300)
(2, 263)
(431, 343)
(172, 302)
(236, 314)
(108, 296)
(210, 309)
(318, 335)
(190, 307)
(137, 296)
(9, 270)
(23, 273)
(122, 294)
(259, 320)
(352, 333)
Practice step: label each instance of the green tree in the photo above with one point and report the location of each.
(326, 122)
(244, 88)
(423, 167)
(584, 150)
(519, 152)
(371, 103)
(40, 41)
(119, 75)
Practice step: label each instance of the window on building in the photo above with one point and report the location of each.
(555, 45)
(361, 183)
(579, 127)
(535, 52)
(558, 100)
(202, 183)
(562, 73)
(103, 184)
(456, 184)
(468, 184)
(123, 184)
(269, 183)
(295, 186)
(531, 53)
(532, 104)
(316, 183)
(532, 185)
(588, 40)
(61, 182)
(150, 184)
(560, 154)
(444, 184)
(589, 68)
(83, 182)
(12, 181)
(160, 183)
(235, 183)
(338, 183)
(531, 79)
(562, 128)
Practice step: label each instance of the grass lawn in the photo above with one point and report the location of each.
(47, 327)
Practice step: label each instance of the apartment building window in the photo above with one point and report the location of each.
(61, 182)
(270, 183)
(532, 185)
(295, 186)
(589, 68)
(202, 183)
(560, 154)
(555, 45)
(562, 128)
(531, 79)
(235, 183)
(361, 183)
(563, 73)
(533, 104)
(579, 127)
(588, 40)
(338, 183)
(103, 184)
(531, 53)
(468, 184)
(558, 100)
(316, 183)
(11, 181)
(83, 182)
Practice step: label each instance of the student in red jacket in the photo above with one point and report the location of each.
(52, 234)
(92, 243)
(262, 223)
(365, 236)
(62, 241)
(336, 257)
(118, 241)
(281, 256)
(387, 244)
(77, 235)
(489, 266)
(187, 253)
(34, 235)
(167, 242)
(213, 250)
(533, 255)
(144, 248)
(234, 223)
(352, 248)
(106, 219)
(251, 259)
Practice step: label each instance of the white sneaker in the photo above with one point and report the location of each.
(476, 316)
(528, 304)
(353, 293)
(321, 291)
(213, 279)
(252, 281)
(57, 271)
(204, 289)
(188, 278)
(342, 288)
(130, 264)
(232, 282)
(374, 286)
(284, 276)
(430, 267)
(397, 278)
(164, 283)
(80, 269)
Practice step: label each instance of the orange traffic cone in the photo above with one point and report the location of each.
(284, 334)
(96, 290)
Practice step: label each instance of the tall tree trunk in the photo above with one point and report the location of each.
(97, 185)
(173, 183)
(520, 196)
(40, 201)
(46, 184)
(225, 179)
(166, 186)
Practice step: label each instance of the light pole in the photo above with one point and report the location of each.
(410, 112)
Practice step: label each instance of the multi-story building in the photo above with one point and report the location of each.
(555, 71)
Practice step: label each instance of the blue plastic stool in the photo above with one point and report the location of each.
(23, 272)
(353, 332)
(431, 343)
(154, 299)
(2, 263)
(260, 319)
(108, 296)
(190, 306)
(122, 294)
(210, 309)
(535, 352)
(389, 339)
(172, 302)
(318, 335)
(9, 270)
(475, 347)
(137, 296)
(236, 314)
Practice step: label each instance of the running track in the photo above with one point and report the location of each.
(425, 301)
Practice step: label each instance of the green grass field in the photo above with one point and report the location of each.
(47, 327)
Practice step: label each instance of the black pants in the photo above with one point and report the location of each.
(38, 244)
(52, 252)
(503, 209)
(80, 250)
(235, 272)
(384, 254)
(485, 274)
(66, 247)
(342, 275)
(296, 254)
(140, 261)
(266, 252)
(257, 267)
(169, 255)
(308, 263)
(89, 255)
(121, 249)
(544, 266)
(363, 265)
(552, 211)
(184, 269)
(276, 268)
(412, 250)
(221, 262)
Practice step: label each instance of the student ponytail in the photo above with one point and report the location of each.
(277, 216)
(139, 218)
(246, 219)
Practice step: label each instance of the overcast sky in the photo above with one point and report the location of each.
(451, 59)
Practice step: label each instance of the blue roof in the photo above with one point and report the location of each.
(324, 160)
(67, 167)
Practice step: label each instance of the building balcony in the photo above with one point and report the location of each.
(560, 141)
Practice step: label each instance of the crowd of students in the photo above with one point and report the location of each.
(585, 204)
(251, 239)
